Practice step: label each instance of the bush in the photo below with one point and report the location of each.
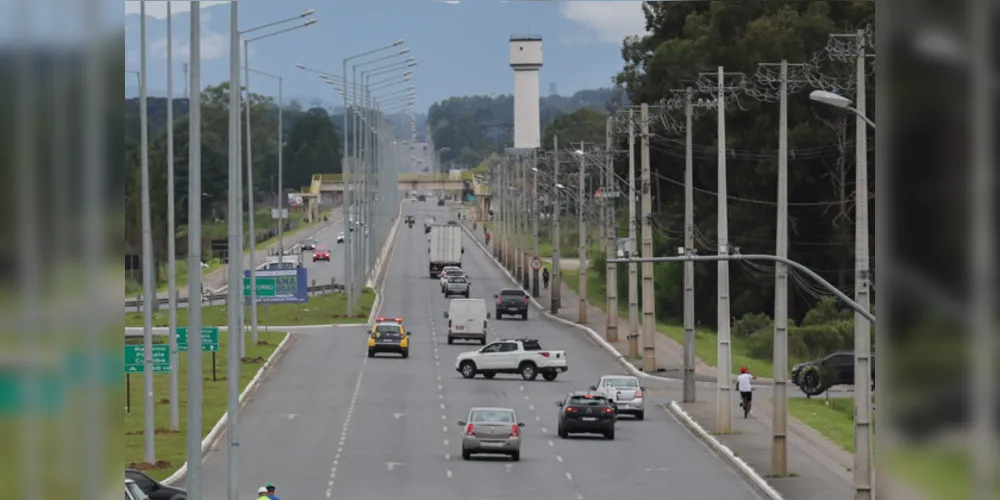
(752, 323)
(816, 341)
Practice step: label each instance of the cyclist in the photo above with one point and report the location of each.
(487, 239)
(744, 385)
(261, 493)
(270, 492)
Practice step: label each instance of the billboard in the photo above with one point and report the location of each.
(295, 199)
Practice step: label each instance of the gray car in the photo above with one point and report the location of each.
(491, 431)
(457, 285)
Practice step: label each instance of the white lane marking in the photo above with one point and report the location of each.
(442, 406)
(444, 417)
(440, 387)
(537, 418)
(329, 493)
(439, 379)
(440, 396)
(448, 472)
(330, 484)
(579, 496)
(447, 456)
(545, 431)
(559, 458)
(346, 425)
(520, 387)
(446, 442)
(531, 407)
(444, 428)
(569, 476)
(551, 443)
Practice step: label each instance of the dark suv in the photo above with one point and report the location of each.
(583, 412)
(512, 301)
(815, 377)
(153, 489)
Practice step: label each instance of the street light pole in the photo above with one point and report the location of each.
(235, 331)
(172, 235)
(281, 173)
(556, 293)
(633, 275)
(148, 273)
(252, 234)
(582, 240)
(535, 204)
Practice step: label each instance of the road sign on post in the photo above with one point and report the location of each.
(209, 339)
(536, 264)
(135, 361)
(280, 286)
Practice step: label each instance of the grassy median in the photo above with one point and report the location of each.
(325, 309)
(171, 451)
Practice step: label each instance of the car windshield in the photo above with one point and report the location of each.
(272, 266)
(512, 293)
(455, 272)
(587, 401)
(492, 417)
(457, 279)
(136, 492)
(621, 383)
(386, 330)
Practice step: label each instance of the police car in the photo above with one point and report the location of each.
(387, 335)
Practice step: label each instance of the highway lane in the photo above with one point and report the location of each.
(403, 438)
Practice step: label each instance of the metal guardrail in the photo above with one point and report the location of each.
(211, 298)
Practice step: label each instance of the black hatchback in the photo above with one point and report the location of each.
(586, 413)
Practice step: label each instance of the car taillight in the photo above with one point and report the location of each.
(607, 410)
(525, 299)
(544, 354)
(570, 410)
(513, 431)
(499, 300)
(468, 429)
(638, 394)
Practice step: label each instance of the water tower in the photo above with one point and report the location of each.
(526, 60)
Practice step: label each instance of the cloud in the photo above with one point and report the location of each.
(214, 45)
(611, 22)
(158, 10)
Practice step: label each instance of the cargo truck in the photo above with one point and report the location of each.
(445, 247)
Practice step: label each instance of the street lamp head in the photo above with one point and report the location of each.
(412, 64)
(310, 22)
(829, 98)
(397, 43)
(410, 59)
(307, 12)
(560, 186)
(578, 152)
(404, 51)
(300, 65)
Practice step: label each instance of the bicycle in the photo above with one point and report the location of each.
(746, 402)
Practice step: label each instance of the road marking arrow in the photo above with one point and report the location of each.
(392, 465)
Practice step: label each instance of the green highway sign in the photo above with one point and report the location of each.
(135, 362)
(209, 338)
(265, 286)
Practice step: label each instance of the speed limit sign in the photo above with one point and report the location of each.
(536, 264)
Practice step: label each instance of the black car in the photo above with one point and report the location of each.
(153, 489)
(586, 413)
(308, 245)
(421, 197)
(512, 301)
(440, 202)
(815, 377)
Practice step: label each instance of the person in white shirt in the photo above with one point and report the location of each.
(746, 390)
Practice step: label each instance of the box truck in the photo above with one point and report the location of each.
(445, 247)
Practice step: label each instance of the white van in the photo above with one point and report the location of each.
(467, 320)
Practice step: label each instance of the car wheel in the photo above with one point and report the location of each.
(524, 317)
(528, 371)
(178, 497)
(371, 354)
(515, 456)
(482, 341)
(406, 355)
(562, 433)
(610, 435)
(466, 455)
(550, 376)
(639, 415)
(489, 375)
(468, 369)
(451, 340)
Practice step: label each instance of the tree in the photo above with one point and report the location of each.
(584, 124)
(313, 147)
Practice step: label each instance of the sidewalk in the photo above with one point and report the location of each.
(818, 468)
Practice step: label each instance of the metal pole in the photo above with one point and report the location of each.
(610, 247)
(582, 240)
(281, 150)
(648, 300)
(346, 205)
(148, 288)
(724, 414)
(779, 413)
(633, 272)
(535, 207)
(523, 217)
(252, 236)
(689, 336)
(235, 332)
(862, 328)
(175, 418)
(356, 169)
(556, 212)
(194, 368)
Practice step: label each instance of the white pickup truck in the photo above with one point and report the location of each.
(524, 356)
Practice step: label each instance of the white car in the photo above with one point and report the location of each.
(523, 356)
(625, 392)
(449, 272)
(340, 237)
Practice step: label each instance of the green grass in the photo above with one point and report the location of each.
(940, 473)
(833, 418)
(321, 309)
(170, 448)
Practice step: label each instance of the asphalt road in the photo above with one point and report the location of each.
(329, 422)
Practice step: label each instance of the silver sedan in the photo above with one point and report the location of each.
(492, 431)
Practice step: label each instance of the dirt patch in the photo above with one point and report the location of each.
(160, 431)
(254, 361)
(164, 401)
(263, 342)
(160, 464)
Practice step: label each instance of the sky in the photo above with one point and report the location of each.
(460, 47)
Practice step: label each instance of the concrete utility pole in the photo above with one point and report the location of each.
(556, 284)
(689, 335)
(235, 332)
(779, 445)
(281, 166)
(252, 235)
(863, 484)
(194, 367)
(582, 239)
(611, 270)
(175, 418)
(522, 218)
(724, 409)
(148, 272)
(633, 278)
(648, 299)
(535, 208)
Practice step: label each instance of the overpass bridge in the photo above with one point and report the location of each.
(328, 189)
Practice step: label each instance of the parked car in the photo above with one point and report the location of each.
(152, 488)
(815, 377)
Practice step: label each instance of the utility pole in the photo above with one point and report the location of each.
(522, 222)
(610, 247)
(862, 327)
(252, 236)
(689, 335)
(582, 239)
(194, 367)
(281, 172)
(648, 299)
(235, 331)
(556, 292)
(779, 444)
(175, 418)
(724, 413)
(535, 207)
(148, 273)
(346, 203)
(633, 278)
